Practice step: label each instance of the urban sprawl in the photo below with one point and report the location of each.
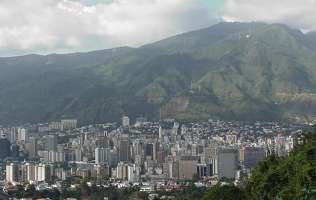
(160, 155)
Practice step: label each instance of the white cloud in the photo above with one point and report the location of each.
(42, 26)
(296, 13)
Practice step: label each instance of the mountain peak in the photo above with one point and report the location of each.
(244, 71)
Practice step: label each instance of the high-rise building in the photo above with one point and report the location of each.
(124, 150)
(101, 155)
(138, 149)
(51, 143)
(42, 172)
(30, 172)
(68, 124)
(113, 157)
(56, 156)
(78, 155)
(227, 162)
(12, 135)
(122, 171)
(210, 156)
(133, 173)
(188, 167)
(12, 172)
(31, 147)
(23, 134)
(213, 163)
(149, 150)
(4, 148)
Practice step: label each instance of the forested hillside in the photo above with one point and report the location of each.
(244, 71)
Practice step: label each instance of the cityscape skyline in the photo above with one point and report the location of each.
(153, 154)
(157, 100)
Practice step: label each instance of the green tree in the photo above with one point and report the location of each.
(20, 191)
(225, 192)
(291, 177)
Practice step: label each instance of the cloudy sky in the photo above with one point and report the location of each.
(46, 26)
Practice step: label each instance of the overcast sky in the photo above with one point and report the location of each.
(47, 26)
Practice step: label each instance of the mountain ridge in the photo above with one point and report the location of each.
(244, 71)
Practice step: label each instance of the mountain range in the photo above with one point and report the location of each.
(235, 71)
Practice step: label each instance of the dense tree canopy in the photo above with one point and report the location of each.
(287, 178)
(226, 192)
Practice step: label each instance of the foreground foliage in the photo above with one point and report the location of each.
(292, 177)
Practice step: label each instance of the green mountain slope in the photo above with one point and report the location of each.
(246, 71)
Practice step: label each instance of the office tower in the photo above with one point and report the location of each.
(227, 162)
(149, 151)
(12, 135)
(51, 143)
(42, 172)
(124, 150)
(138, 149)
(12, 172)
(78, 155)
(214, 164)
(188, 167)
(133, 172)
(4, 148)
(174, 169)
(122, 171)
(125, 121)
(101, 155)
(155, 150)
(210, 156)
(161, 155)
(113, 158)
(56, 156)
(31, 147)
(22, 134)
(30, 170)
(70, 154)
